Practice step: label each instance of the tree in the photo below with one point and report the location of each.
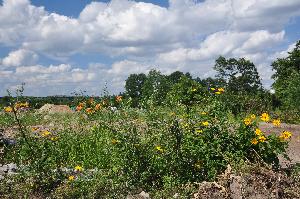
(287, 78)
(240, 75)
(175, 76)
(211, 82)
(133, 86)
(155, 87)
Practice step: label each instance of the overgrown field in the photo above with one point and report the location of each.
(106, 149)
(172, 136)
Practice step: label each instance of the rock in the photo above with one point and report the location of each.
(142, 195)
(12, 167)
(210, 190)
(51, 108)
(3, 169)
(236, 187)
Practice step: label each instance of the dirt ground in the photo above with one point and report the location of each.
(294, 146)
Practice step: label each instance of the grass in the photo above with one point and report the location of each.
(162, 150)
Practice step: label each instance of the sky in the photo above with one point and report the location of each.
(60, 47)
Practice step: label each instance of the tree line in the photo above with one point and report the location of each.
(238, 76)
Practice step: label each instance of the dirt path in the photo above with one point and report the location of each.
(294, 146)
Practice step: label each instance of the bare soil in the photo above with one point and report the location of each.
(294, 145)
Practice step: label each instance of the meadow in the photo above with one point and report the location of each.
(107, 149)
(169, 136)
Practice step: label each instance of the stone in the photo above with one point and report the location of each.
(51, 108)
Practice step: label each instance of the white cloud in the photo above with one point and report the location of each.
(20, 57)
(188, 36)
(128, 27)
(225, 43)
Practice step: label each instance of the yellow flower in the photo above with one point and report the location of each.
(252, 116)
(262, 138)
(206, 123)
(114, 141)
(218, 92)
(199, 131)
(276, 122)
(247, 121)
(46, 133)
(285, 135)
(254, 141)
(203, 113)
(159, 148)
(35, 128)
(78, 168)
(8, 109)
(265, 117)
(194, 89)
(71, 178)
(54, 138)
(212, 89)
(221, 89)
(258, 132)
(185, 125)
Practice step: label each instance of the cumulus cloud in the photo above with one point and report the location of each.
(20, 57)
(125, 27)
(188, 35)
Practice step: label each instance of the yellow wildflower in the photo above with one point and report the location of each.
(194, 90)
(35, 128)
(247, 121)
(262, 138)
(218, 92)
(54, 138)
(276, 122)
(206, 123)
(254, 141)
(258, 132)
(78, 168)
(221, 89)
(252, 116)
(203, 113)
(212, 89)
(159, 148)
(185, 125)
(46, 133)
(285, 135)
(8, 109)
(199, 130)
(71, 178)
(265, 117)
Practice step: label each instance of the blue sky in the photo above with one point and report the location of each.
(58, 47)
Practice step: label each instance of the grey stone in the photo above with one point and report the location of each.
(236, 187)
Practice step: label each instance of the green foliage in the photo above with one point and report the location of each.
(155, 88)
(133, 86)
(240, 74)
(127, 149)
(287, 78)
(185, 92)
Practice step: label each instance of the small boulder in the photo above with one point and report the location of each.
(51, 108)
